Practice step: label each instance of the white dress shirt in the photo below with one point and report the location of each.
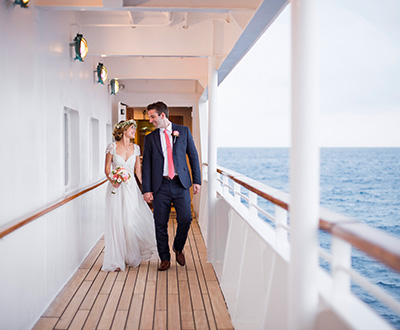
(164, 146)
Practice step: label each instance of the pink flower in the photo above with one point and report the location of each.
(175, 133)
(119, 175)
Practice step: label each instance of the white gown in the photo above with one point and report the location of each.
(129, 233)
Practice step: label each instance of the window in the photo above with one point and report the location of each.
(109, 132)
(94, 148)
(71, 149)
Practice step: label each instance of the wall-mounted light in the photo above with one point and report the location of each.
(114, 86)
(80, 47)
(101, 73)
(22, 3)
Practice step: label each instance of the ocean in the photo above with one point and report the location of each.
(363, 183)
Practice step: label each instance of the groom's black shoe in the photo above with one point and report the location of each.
(180, 257)
(164, 265)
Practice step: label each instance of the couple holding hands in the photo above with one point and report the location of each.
(133, 234)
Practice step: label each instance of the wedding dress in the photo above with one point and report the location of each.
(129, 233)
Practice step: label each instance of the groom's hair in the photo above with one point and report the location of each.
(160, 107)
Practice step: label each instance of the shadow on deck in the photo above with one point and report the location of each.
(186, 297)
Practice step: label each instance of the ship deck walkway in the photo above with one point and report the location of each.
(186, 297)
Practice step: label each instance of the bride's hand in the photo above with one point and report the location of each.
(115, 185)
(148, 197)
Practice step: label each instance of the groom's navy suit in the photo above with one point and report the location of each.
(165, 190)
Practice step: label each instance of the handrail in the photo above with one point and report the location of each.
(20, 222)
(372, 241)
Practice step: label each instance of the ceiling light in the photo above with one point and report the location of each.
(101, 73)
(22, 3)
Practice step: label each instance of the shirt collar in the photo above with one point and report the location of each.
(168, 128)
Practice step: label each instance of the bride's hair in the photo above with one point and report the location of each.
(121, 127)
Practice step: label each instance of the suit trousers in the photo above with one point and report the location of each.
(171, 191)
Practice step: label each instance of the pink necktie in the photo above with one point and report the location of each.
(171, 170)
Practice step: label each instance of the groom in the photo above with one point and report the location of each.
(166, 179)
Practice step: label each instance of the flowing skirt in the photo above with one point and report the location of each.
(129, 234)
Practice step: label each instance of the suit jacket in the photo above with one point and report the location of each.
(153, 159)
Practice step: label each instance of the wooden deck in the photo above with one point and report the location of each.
(186, 297)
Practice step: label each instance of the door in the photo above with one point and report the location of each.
(177, 115)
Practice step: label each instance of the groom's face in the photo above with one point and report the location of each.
(155, 119)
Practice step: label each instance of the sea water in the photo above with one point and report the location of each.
(362, 183)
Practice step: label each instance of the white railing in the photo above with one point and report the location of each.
(246, 198)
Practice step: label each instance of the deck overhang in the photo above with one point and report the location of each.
(167, 40)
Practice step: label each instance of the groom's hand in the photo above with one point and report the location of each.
(196, 188)
(148, 197)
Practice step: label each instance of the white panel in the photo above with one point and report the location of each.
(252, 284)
(276, 297)
(221, 231)
(42, 79)
(22, 276)
(233, 256)
(203, 212)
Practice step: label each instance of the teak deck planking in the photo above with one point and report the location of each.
(183, 298)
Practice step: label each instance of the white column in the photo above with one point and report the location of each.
(212, 157)
(304, 167)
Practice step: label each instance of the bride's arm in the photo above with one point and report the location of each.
(107, 169)
(138, 169)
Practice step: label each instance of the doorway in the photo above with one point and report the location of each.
(177, 115)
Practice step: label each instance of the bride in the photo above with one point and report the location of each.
(129, 233)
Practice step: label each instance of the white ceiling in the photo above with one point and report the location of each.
(168, 39)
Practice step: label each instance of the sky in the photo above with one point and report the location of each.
(359, 81)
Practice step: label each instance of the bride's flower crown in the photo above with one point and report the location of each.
(124, 124)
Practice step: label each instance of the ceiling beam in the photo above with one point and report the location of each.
(157, 68)
(200, 6)
(195, 4)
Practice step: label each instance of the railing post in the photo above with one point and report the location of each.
(253, 213)
(304, 167)
(341, 259)
(280, 222)
(212, 157)
(225, 190)
(236, 196)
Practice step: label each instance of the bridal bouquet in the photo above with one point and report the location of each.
(119, 175)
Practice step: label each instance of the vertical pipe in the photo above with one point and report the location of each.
(212, 158)
(304, 167)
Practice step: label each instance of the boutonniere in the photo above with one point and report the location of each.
(175, 134)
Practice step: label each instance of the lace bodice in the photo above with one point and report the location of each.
(117, 160)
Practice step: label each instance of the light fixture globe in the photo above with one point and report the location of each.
(80, 47)
(101, 73)
(114, 86)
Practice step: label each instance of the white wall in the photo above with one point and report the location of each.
(39, 78)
